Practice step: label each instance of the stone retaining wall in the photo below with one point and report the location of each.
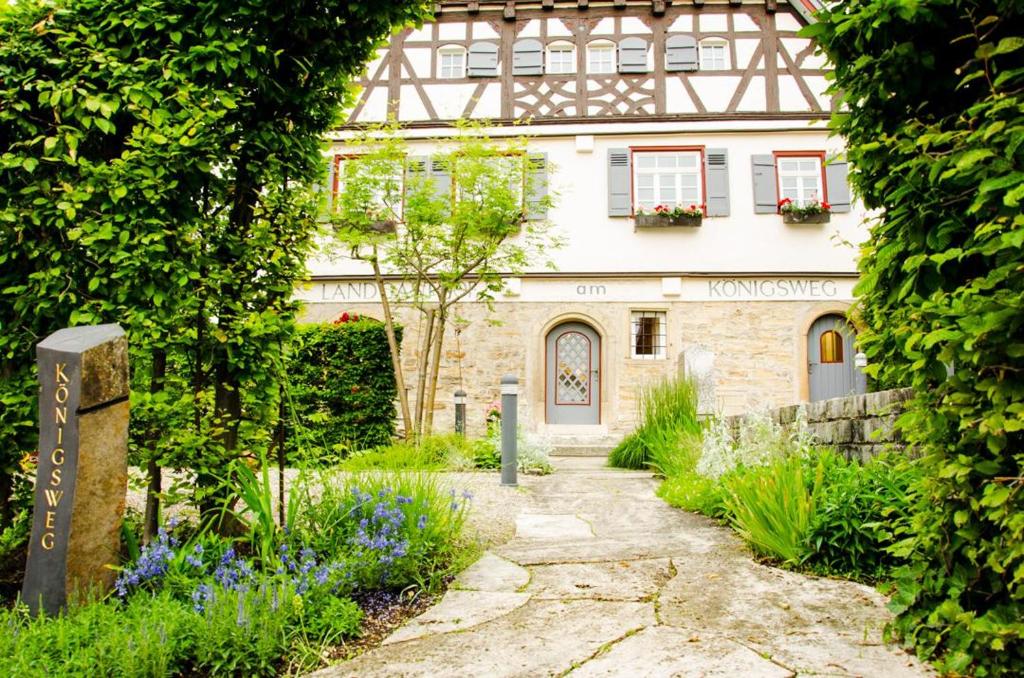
(859, 426)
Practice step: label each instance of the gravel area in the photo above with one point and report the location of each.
(491, 517)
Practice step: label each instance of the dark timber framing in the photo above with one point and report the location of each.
(581, 98)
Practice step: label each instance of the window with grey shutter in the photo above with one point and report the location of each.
(538, 184)
(527, 57)
(482, 60)
(620, 203)
(441, 178)
(716, 174)
(837, 185)
(633, 55)
(415, 172)
(766, 190)
(680, 53)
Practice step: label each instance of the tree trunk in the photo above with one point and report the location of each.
(396, 357)
(422, 368)
(216, 506)
(435, 368)
(151, 520)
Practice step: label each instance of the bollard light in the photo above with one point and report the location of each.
(860, 361)
(509, 426)
(460, 411)
(509, 385)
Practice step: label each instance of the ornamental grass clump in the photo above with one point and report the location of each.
(667, 415)
(773, 507)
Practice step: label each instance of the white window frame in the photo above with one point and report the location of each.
(709, 60)
(449, 51)
(561, 47)
(658, 187)
(660, 346)
(397, 207)
(801, 194)
(602, 46)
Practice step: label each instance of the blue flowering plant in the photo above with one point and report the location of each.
(397, 529)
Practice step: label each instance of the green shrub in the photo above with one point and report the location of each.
(533, 452)
(150, 636)
(773, 508)
(852, 529)
(691, 491)
(416, 509)
(433, 453)
(342, 389)
(246, 632)
(667, 414)
(935, 137)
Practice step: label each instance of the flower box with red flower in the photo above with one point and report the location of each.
(664, 216)
(813, 212)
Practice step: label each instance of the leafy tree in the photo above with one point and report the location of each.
(449, 226)
(936, 137)
(156, 160)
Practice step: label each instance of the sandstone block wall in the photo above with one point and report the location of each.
(746, 355)
(858, 426)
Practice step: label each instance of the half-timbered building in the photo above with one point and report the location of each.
(634, 104)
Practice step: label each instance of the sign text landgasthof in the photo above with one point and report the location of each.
(630, 290)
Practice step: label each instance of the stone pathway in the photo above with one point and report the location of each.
(604, 579)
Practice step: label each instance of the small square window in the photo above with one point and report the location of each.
(601, 58)
(561, 58)
(648, 335)
(714, 55)
(451, 63)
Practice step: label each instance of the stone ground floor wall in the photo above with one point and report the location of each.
(745, 354)
(858, 426)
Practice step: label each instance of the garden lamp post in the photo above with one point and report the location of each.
(509, 398)
(460, 412)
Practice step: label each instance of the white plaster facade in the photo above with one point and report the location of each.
(738, 293)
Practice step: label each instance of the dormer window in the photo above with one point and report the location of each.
(561, 57)
(451, 63)
(601, 57)
(714, 55)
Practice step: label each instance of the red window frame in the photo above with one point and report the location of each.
(820, 155)
(633, 150)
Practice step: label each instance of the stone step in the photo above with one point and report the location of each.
(585, 450)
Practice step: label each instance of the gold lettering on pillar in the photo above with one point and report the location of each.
(53, 496)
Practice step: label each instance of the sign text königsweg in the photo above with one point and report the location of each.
(753, 288)
(610, 290)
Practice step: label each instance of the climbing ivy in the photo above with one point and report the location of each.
(936, 139)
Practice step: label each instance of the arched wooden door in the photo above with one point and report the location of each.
(830, 351)
(573, 391)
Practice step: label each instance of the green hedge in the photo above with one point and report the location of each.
(342, 389)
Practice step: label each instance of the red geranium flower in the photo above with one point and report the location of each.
(825, 206)
(784, 202)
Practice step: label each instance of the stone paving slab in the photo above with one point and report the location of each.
(555, 528)
(458, 611)
(493, 573)
(660, 651)
(604, 579)
(538, 639)
(615, 580)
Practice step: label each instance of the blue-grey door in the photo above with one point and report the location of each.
(573, 392)
(830, 359)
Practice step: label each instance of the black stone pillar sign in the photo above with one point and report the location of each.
(82, 474)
